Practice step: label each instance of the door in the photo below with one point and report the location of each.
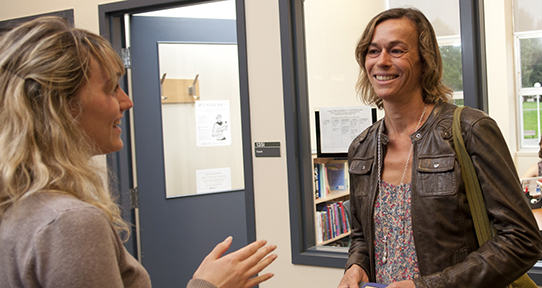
(177, 230)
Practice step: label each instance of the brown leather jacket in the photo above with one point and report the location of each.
(445, 240)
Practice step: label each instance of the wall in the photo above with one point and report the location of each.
(85, 12)
(267, 119)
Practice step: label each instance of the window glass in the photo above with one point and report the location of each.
(530, 113)
(332, 73)
(531, 61)
(451, 60)
(528, 35)
(318, 40)
(332, 70)
(527, 15)
(444, 16)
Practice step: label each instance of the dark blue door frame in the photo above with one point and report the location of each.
(112, 27)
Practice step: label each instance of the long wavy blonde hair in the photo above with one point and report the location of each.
(431, 79)
(43, 65)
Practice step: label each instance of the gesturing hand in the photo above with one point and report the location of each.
(236, 269)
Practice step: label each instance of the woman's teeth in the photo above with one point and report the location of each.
(384, 78)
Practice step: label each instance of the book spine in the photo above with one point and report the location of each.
(343, 218)
(319, 231)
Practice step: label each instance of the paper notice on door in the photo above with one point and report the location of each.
(213, 123)
(213, 180)
(340, 125)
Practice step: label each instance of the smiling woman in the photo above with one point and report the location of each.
(99, 107)
(393, 61)
(432, 87)
(406, 184)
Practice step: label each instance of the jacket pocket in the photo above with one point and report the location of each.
(437, 176)
(461, 254)
(360, 180)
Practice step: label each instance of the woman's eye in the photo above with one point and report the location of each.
(373, 52)
(397, 52)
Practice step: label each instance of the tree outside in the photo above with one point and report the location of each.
(452, 71)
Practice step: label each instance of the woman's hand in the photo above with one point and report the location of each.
(403, 284)
(352, 277)
(236, 269)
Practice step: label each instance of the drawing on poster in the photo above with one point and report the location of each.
(213, 123)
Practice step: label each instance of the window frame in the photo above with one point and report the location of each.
(524, 91)
(297, 127)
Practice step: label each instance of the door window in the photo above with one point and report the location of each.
(200, 107)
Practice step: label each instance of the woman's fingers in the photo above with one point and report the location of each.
(220, 249)
(258, 266)
(259, 279)
(247, 251)
(236, 269)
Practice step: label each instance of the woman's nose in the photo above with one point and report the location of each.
(124, 101)
(384, 59)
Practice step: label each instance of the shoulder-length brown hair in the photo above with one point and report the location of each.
(431, 78)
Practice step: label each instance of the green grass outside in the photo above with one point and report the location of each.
(530, 120)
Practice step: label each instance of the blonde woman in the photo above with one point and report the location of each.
(60, 104)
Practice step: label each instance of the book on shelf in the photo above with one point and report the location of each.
(319, 228)
(332, 176)
(332, 221)
(343, 217)
(337, 173)
(316, 182)
(322, 182)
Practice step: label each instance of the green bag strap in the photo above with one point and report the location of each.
(472, 186)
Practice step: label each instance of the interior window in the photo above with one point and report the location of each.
(332, 72)
(318, 39)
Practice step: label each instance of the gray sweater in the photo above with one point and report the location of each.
(56, 240)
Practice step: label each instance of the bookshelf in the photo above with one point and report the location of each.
(330, 163)
(331, 186)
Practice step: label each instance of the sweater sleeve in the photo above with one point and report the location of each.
(77, 249)
(199, 283)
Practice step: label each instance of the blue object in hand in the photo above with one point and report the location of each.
(371, 285)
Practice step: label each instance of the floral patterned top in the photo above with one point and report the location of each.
(395, 254)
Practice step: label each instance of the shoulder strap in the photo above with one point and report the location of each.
(472, 186)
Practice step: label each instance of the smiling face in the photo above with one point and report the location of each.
(99, 109)
(393, 61)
